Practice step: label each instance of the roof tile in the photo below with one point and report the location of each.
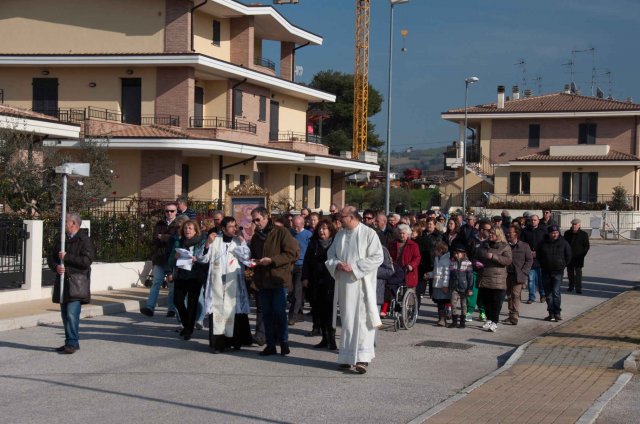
(544, 156)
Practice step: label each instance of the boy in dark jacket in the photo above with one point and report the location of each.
(460, 283)
(554, 253)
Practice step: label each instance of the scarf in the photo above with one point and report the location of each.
(325, 243)
(226, 239)
(187, 243)
(264, 233)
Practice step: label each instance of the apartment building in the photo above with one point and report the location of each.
(562, 147)
(181, 89)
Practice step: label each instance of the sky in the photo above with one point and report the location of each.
(450, 40)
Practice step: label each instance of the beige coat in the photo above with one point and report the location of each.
(494, 273)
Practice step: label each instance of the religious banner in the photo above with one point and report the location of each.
(241, 201)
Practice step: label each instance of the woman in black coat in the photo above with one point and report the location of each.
(316, 277)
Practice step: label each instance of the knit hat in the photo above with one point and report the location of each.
(458, 246)
(496, 218)
(553, 228)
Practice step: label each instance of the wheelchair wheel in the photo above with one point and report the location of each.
(397, 317)
(409, 309)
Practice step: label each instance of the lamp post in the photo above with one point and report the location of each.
(387, 193)
(470, 80)
(68, 169)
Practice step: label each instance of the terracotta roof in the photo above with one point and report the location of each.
(544, 156)
(151, 131)
(23, 113)
(556, 102)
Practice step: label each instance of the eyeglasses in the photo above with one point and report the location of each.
(170, 211)
(368, 217)
(256, 220)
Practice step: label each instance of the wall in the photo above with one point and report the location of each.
(73, 86)
(126, 172)
(280, 181)
(548, 179)
(81, 26)
(251, 107)
(202, 181)
(175, 92)
(509, 138)
(215, 98)
(203, 34)
(293, 113)
(160, 174)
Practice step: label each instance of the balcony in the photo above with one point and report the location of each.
(298, 141)
(265, 63)
(78, 116)
(217, 122)
(295, 136)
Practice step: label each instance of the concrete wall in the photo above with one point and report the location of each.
(510, 137)
(126, 170)
(73, 86)
(81, 26)
(215, 98)
(203, 33)
(293, 113)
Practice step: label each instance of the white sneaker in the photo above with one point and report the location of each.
(468, 318)
(493, 327)
(486, 325)
(199, 325)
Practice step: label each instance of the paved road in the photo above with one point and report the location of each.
(138, 369)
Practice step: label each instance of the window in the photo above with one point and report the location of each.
(243, 178)
(305, 191)
(215, 37)
(317, 193)
(262, 114)
(587, 134)
(237, 102)
(534, 135)
(185, 180)
(520, 183)
(580, 186)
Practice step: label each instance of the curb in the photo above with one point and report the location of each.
(591, 415)
(55, 318)
(465, 391)
(632, 362)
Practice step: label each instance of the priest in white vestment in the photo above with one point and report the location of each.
(226, 297)
(353, 260)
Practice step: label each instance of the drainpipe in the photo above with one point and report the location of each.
(293, 60)
(233, 103)
(192, 10)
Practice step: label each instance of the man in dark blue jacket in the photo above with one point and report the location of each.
(554, 253)
(533, 235)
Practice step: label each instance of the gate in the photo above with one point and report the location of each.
(13, 243)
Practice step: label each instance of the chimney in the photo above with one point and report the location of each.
(527, 92)
(500, 104)
(567, 89)
(515, 91)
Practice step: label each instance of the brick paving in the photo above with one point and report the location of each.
(561, 374)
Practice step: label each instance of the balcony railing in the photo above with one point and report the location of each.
(217, 122)
(530, 201)
(265, 63)
(115, 116)
(295, 136)
(75, 116)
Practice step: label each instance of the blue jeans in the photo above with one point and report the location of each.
(70, 312)
(551, 282)
(535, 283)
(159, 272)
(274, 315)
(201, 311)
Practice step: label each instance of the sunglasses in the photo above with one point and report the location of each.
(170, 211)
(256, 220)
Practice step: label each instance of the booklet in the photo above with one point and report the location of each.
(184, 260)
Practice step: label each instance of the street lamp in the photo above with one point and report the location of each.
(388, 176)
(68, 169)
(470, 80)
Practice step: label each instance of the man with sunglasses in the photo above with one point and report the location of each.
(162, 234)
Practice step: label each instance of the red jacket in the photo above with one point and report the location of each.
(410, 256)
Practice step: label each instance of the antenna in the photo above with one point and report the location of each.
(591, 50)
(538, 80)
(523, 66)
(607, 73)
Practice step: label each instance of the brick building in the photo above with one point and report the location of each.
(555, 147)
(180, 88)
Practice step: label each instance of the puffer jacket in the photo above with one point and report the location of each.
(461, 275)
(282, 248)
(494, 273)
(554, 255)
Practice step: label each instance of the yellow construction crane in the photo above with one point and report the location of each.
(361, 78)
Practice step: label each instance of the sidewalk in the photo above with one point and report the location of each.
(559, 376)
(14, 316)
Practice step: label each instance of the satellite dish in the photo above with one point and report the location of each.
(599, 93)
(299, 71)
(574, 89)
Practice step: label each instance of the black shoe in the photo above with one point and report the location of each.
(578, 291)
(269, 350)
(284, 349)
(60, 349)
(315, 332)
(171, 314)
(361, 367)
(187, 336)
(558, 317)
(292, 321)
(146, 311)
(549, 318)
(68, 350)
(323, 344)
(258, 341)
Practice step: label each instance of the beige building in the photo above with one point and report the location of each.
(182, 91)
(560, 147)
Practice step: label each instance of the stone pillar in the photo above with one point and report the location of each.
(175, 88)
(161, 174)
(286, 60)
(177, 32)
(33, 259)
(242, 41)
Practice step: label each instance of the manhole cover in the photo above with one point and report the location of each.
(445, 345)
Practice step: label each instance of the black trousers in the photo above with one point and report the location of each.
(574, 273)
(241, 334)
(189, 289)
(324, 305)
(492, 300)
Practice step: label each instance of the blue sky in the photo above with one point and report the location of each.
(450, 40)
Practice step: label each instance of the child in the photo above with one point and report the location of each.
(460, 284)
(440, 274)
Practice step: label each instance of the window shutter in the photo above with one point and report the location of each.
(591, 134)
(534, 135)
(526, 182)
(593, 186)
(237, 103)
(582, 134)
(566, 185)
(514, 183)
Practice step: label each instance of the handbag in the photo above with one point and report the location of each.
(77, 286)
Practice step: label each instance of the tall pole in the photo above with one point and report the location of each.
(387, 194)
(63, 233)
(464, 150)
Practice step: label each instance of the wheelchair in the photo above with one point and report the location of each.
(403, 307)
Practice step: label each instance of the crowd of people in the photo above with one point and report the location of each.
(347, 264)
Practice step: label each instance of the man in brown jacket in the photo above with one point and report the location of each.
(517, 272)
(274, 250)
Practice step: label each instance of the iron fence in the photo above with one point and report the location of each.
(218, 122)
(264, 62)
(295, 136)
(13, 240)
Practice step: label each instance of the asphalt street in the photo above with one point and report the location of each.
(137, 369)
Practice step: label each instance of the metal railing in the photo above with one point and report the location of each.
(265, 63)
(13, 239)
(217, 122)
(295, 136)
(1, 96)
